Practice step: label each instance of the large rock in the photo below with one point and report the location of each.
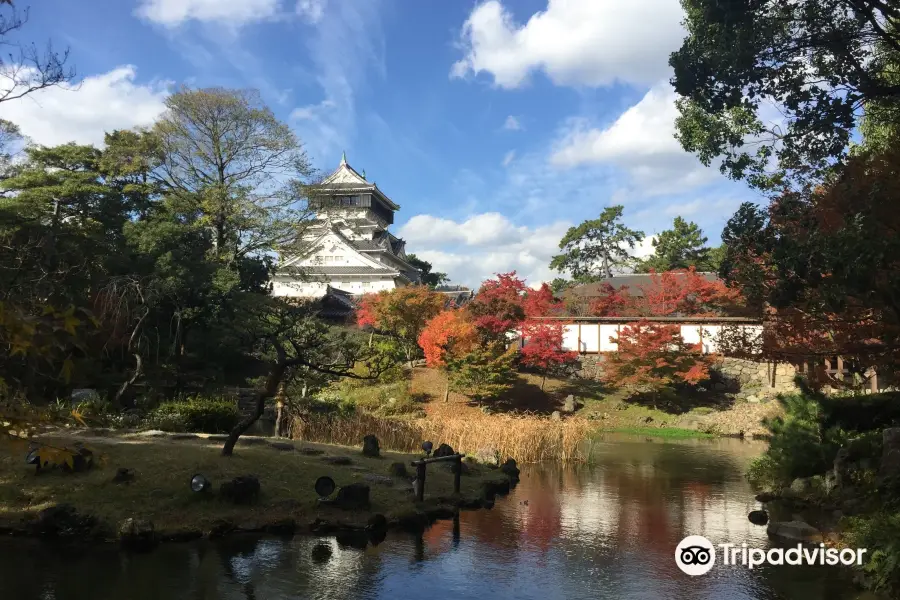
(570, 404)
(758, 517)
(378, 479)
(890, 453)
(510, 469)
(794, 531)
(241, 490)
(137, 534)
(63, 520)
(353, 496)
(443, 450)
(370, 446)
(488, 456)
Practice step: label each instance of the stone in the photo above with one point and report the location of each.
(370, 447)
(123, 475)
(488, 456)
(353, 496)
(752, 398)
(510, 469)
(137, 534)
(378, 479)
(283, 446)
(62, 520)
(311, 451)
(376, 521)
(570, 404)
(85, 395)
(890, 453)
(758, 517)
(443, 450)
(830, 483)
(800, 487)
(555, 416)
(451, 466)
(241, 490)
(398, 469)
(794, 531)
(337, 460)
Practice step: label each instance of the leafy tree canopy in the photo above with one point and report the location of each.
(681, 247)
(430, 278)
(768, 82)
(595, 247)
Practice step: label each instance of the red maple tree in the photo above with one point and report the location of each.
(543, 347)
(401, 313)
(652, 356)
(451, 334)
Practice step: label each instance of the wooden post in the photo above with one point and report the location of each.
(840, 368)
(873, 381)
(457, 473)
(579, 337)
(420, 478)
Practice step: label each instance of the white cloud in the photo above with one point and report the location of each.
(509, 157)
(311, 10)
(82, 114)
(512, 124)
(483, 245)
(172, 13)
(346, 46)
(575, 42)
(641, 141)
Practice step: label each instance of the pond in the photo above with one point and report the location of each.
(607, 529)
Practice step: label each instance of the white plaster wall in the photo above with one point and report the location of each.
(570, 338)
(607, 334)
(590, 338)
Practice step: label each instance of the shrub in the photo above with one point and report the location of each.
(198, 414)
(880, 534)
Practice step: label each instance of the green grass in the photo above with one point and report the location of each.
(675, 433)
(160, 490)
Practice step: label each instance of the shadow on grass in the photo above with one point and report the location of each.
(682, 399)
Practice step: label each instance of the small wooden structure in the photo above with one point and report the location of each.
(420, 472)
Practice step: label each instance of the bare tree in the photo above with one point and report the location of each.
(24, 68)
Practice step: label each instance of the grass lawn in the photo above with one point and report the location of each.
(661, 432)
(160, 490)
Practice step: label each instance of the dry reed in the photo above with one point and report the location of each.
(525, 438)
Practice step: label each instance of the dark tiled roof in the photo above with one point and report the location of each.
(634, 281)
(367, 245)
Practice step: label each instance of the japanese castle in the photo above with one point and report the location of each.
(351, 250)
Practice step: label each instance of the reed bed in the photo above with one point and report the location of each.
(526, 438)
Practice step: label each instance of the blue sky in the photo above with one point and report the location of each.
(495, 125)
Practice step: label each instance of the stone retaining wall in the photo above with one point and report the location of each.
(747, 379)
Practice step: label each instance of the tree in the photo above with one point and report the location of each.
(498, 307)
(429, 278)
(289, 338)
(816, 62)
(401, 313)
(543, 349)
(594, 248)
(651, 356)
(446, 340)
(483, 373)
(241, 170)
(747, 242)
(681, 247)
(26, 69)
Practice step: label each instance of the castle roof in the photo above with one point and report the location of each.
(347, 179)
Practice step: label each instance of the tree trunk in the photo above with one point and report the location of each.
(128, 383)
(270, 389)
(543, 379)
(447, 392)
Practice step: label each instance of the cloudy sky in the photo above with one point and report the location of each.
(495, 125)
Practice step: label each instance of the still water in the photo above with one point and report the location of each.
(604, 530)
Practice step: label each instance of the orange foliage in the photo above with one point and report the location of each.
(450, 334)
(654, 355)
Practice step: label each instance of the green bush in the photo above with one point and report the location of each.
(880, 535)
(199, 414)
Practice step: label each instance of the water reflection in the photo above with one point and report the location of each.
(605, 529)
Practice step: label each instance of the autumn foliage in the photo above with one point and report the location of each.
(669, 294)
(652, 356)
(401, 313)
(543, 348)
(450, 334)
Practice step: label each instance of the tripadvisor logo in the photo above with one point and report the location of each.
(696, 555)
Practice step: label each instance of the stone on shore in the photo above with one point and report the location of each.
(398, 469)
(443, 450)
(370, 446)
(353, 496)
(758, 517)
(137, 534)
(794, 531)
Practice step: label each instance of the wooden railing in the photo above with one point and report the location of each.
(420, 472)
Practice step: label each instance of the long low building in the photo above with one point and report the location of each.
(594, 335)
